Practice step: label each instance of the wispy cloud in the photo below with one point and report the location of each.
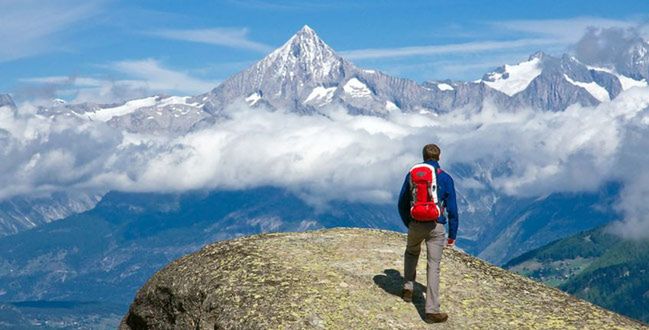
(226, 37)
(139, 78)
(463, 67)
(158, 77)
(468, 47)
(32, 27)
(296, 5)
(567, 30)
(78, 81)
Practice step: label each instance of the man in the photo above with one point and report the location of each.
(433, 232)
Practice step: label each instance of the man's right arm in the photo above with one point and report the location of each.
(404, 202)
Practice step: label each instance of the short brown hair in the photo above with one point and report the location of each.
(431, 151)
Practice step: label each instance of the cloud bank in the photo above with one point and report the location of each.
(338, 156)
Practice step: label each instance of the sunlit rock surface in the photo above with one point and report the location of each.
(345, 279)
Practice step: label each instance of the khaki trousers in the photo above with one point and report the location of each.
(435, 236)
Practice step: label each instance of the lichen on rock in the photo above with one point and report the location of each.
(345, 278)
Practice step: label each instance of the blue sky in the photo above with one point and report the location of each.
(111, 50)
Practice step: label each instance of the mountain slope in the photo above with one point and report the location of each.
(522, 224)
(597, 266)
(22, 213)
(348, 279)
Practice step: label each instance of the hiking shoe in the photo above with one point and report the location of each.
(436, 317)
(406, 295)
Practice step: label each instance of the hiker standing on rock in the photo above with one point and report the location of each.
(426, 193)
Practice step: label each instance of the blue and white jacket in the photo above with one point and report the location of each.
(445, 194)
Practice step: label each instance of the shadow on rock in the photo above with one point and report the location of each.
(392, 282)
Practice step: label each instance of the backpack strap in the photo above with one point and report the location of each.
(440, 204)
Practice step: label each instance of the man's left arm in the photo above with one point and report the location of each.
(451, 211)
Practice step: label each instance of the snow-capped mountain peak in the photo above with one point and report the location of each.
(303, 53)
(293, 75)
(538, 55)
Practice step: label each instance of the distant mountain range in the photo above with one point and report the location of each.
(306, 76)
(594, 265)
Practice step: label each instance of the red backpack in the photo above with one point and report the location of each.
(423, 187)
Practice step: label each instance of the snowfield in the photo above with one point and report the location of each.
(515, 78)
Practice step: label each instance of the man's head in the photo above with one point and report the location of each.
(431, 152)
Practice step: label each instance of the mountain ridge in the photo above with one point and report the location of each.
(304, 75)
(595, 265)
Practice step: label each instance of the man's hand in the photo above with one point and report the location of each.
(450, 242)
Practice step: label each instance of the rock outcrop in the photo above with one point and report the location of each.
(345, 279)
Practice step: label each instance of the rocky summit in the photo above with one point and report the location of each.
(345, 279)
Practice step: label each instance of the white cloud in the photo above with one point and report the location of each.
(566, 31)
(469, 47)
(30, 27)
(227, 37)
(518, 152)
(160, 78)
(77, 81)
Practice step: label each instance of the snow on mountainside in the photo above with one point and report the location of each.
(597, 91)
(356, 88)
(625, 81)
(321, 94)
(445, 87)
(106, 114)
(512, 79)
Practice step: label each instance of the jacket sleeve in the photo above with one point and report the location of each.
(404, 202)
(451, 209)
